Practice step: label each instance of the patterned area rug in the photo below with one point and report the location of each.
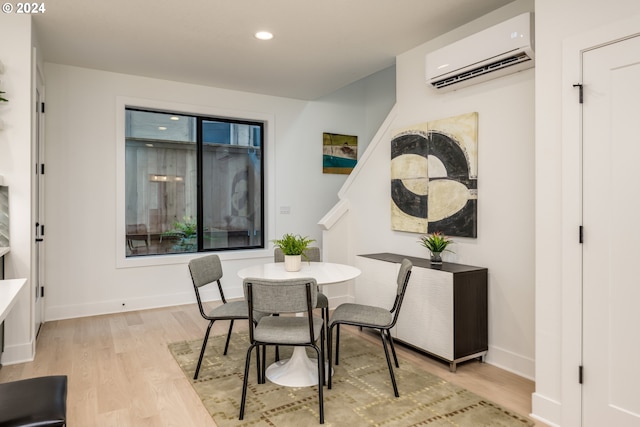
(361, 393)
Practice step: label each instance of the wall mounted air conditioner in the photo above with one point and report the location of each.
(502, 49)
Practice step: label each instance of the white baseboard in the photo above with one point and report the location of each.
(546, 410)
(19, 353)
(117, 306)
(512, 362)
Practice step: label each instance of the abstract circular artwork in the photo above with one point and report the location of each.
(434, 179)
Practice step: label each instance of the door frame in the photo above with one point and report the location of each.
(37, 149)
(573, 49)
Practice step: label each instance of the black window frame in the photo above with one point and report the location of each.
(200, 227)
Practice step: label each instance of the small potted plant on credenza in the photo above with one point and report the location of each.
(436, 243)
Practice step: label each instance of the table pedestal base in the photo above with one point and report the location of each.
(298, 371)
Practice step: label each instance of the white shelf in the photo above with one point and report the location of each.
(9, 290)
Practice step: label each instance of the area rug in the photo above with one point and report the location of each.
(361, 393)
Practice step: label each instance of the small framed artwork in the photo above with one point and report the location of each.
(339, 153)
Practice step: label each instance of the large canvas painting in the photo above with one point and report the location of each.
(434, 177)
(339, 153)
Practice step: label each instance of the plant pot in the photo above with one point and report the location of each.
(292, 262)
(436, 258)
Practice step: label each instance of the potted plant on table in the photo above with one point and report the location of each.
(436, 243)
(293, 247)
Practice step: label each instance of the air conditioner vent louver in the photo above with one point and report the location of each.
(502, 49)
(503, 63)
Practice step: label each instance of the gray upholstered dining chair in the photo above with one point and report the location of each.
(283, 297)
(367, 316)
(310, 254)
(206, 270)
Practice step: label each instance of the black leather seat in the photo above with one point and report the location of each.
(40, 402)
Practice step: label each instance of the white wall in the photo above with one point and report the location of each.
(81, 273)
(560, 24)
(16, 167)
(505, 243)
(379, 98)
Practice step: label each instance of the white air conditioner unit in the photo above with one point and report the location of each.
(502, 49)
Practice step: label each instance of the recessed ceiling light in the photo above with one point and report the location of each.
(264, 35)
(162, 128)
(174, 118)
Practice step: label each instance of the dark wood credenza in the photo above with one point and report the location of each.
(444, 312)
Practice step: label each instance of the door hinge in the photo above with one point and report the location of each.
(580, 235)
(580, 377)
(42, 107)
(581, 96)
(41, 168)
(41, 227)
(41, 291)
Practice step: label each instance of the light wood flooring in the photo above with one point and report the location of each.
(122, 374)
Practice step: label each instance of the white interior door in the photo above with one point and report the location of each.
(611, 249)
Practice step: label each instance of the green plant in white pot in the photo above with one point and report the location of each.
(293, 247)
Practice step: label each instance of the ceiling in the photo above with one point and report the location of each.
(319, 45)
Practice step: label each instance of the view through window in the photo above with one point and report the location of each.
(192, 183)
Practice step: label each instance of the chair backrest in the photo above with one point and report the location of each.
(402, 281)
(206, 270)
(311, 254)
(281, 296)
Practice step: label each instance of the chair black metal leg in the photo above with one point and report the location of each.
(277, 347)
(337, 342)
(226, 344)
(329, 356)
(263, 366)
(325, 318)
(258, 366)
(322, 350)
(386, 353)
(393, 348)
(320, 381)
(245, 380)
(204, 346)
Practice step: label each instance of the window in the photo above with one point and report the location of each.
(192, 183)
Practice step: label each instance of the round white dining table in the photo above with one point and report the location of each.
(299, 370)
